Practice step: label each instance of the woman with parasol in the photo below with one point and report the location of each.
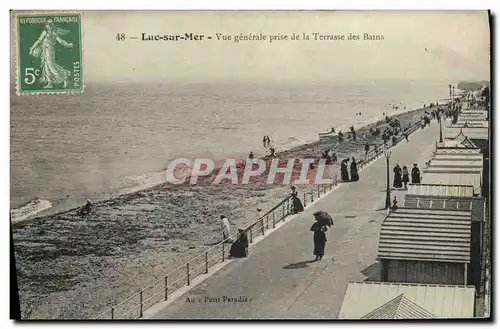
(319, 228)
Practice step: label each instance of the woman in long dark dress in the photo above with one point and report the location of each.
(354, 171)
(319, 238)
(297, 204)
(398, 182)
(239, 248)
(406, 176)
(415, 174)
(344, 174)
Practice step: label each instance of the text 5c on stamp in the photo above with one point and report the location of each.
(49, 53)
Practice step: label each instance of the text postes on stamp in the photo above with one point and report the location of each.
(49, 53)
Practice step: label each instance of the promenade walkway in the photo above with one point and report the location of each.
(279, 280)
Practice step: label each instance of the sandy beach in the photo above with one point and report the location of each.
(71, 267)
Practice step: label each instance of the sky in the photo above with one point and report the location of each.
(457, 42)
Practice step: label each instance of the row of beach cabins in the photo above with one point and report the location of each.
(434, 250)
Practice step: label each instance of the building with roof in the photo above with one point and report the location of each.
(481, 133)
(422, 196)
(381, 300)
(451, 150)
(419, 245)
(459, 176)
(398, 308)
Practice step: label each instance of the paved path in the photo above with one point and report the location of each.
(278, 278)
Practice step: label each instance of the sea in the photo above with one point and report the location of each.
(119, 138)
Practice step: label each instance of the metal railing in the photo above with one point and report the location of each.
(134, 306)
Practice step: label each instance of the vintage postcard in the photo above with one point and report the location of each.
(251, 164)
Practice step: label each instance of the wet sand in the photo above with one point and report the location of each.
(73, 267)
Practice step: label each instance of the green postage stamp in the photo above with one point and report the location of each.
(49, 53)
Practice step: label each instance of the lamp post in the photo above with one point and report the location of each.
(388, 190)
(440, 129)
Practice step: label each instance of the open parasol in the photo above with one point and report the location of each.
(323, 218)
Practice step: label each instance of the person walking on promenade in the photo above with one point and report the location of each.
(239, 248)
(397, 177)
(367, 148)
(354, 171)
(297, 204)
(334, 158)
(225, 228)
(344, 174)
(415, 174)
(319, 239)
(405, 135)
(394, 140)
(406, 176)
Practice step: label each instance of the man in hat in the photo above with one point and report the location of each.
(225, 228)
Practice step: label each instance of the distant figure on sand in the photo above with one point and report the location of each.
(405, 135)
(225, 228)
(297, 204)
(250, 156)
(354, 171)
(367, 148)
(341, 136)
(268, 141)
(86, 209)
(333, 130)
(415, 174)
(264, 141)
(239, 248)
(319, 239)
(406, 176)
(344, 174)
(272, 150)
(398, 182)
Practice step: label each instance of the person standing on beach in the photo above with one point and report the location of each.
(264, 141)
(415, 174)
(268, 141)
(225, 228)
(354, 171)
(367, 148)
(397, 177)
(406, 176)
(250, 156)
(319, 239)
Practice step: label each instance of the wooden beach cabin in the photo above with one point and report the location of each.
(454, 197)
(391, 301)
(430, 246)
(451, 176)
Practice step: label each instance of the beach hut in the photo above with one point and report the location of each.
(430, 246)
(446, 176)
(387, 301)
(459, 150)
(474, 133)
(455, 197)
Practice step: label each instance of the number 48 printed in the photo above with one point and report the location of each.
(120, 36)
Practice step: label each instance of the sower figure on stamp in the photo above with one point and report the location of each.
(44, 47)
